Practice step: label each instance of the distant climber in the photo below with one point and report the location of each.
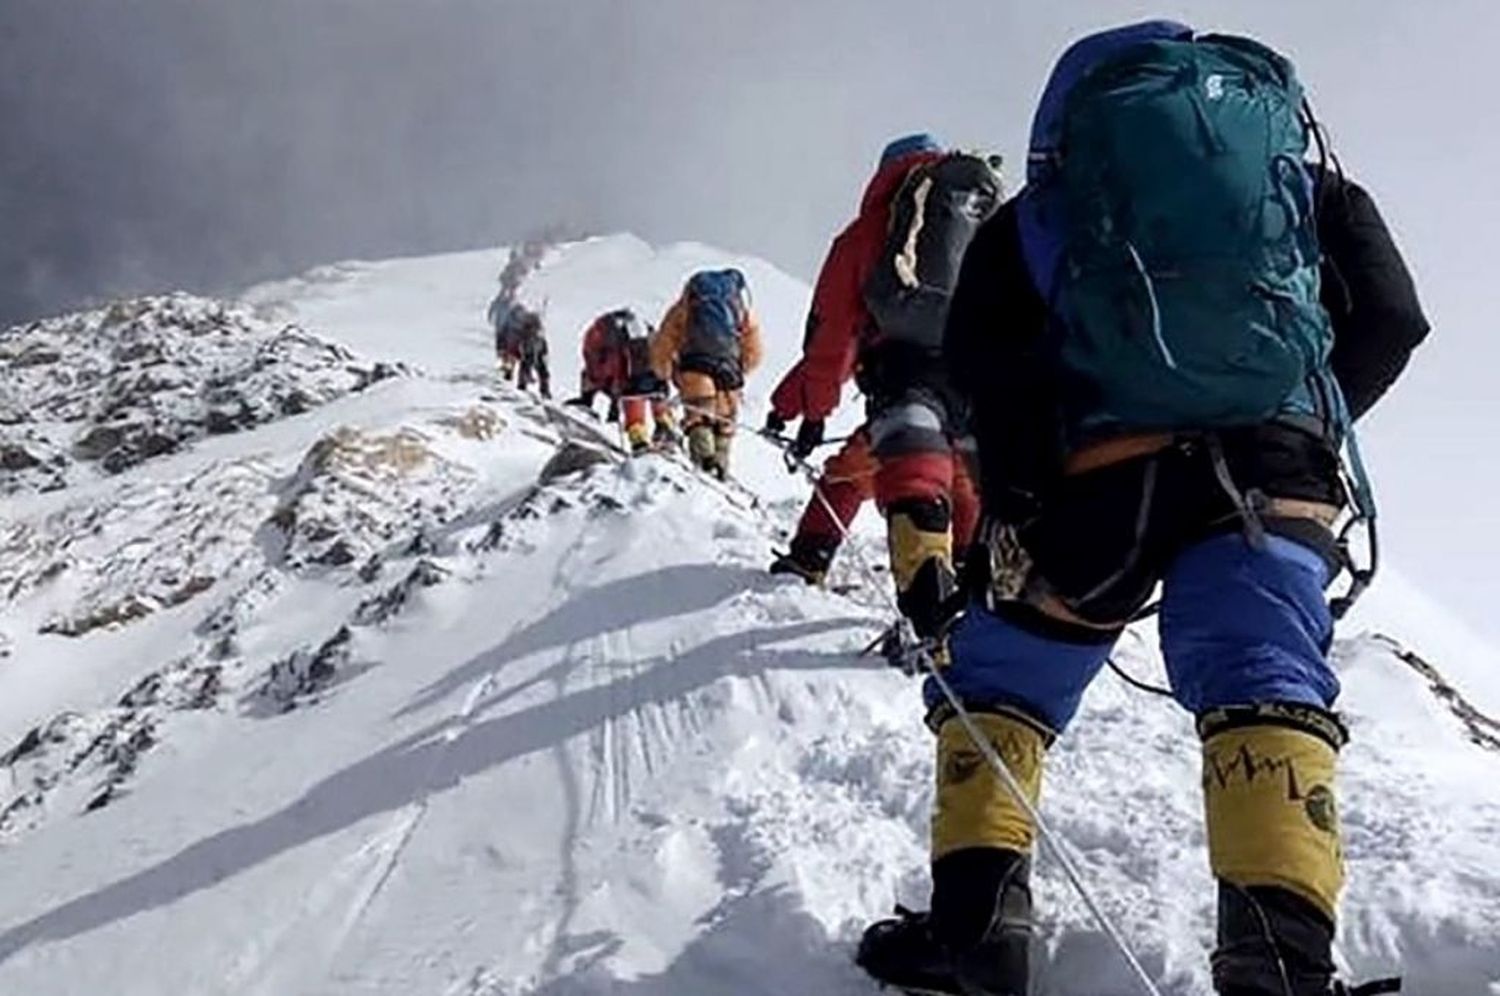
(617, 363)
(521, 346)
(1162, 377)
(708, 343)
(877, 317)
(520, 339)
(498, 313)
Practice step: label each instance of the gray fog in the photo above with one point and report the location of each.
(147, 144)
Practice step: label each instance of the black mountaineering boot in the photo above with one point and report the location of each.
(977, 940)
(981, 915)
(666, 437)
(1272, 942)
(932, 598)
(902, 952)
(809, 558)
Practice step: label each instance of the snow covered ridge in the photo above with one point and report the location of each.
(398, 697)
(1481, 729)
(140, 378)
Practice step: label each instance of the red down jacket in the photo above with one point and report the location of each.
(838, 320)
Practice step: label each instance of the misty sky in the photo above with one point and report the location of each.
(147, 144)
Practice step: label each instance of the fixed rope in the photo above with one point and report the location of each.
(775, 440)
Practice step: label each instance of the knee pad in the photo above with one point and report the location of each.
(973, 807)
(911, 422)
(1268, 773)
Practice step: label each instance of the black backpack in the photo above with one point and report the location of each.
(621, 325)
(934, 215)
(638, 357)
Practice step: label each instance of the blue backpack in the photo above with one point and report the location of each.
(1169, 224)
(715, 307)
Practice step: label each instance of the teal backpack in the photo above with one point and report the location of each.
(1184, 254)
(1168, 221)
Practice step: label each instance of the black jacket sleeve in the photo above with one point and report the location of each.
(1368, 292)
(994, 349)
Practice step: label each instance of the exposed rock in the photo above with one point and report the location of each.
(142, 378)
(356, 493)
(306, 672)
(379, 608)
(572, 458)
(1482, 729)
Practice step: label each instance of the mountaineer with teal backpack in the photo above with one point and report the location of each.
(1164, 340)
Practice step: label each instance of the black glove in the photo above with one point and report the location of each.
(809, 438)
(775, 424)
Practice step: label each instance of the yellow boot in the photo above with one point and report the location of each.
(921, 548)
(639, 437)
(973, 807)
(1274, 844)
(702, 446)
(981, 845)
(666, 436)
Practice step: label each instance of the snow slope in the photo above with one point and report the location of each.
(428, 726)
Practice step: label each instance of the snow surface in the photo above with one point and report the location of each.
(364, 708)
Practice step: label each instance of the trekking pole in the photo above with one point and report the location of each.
(1051, 840)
